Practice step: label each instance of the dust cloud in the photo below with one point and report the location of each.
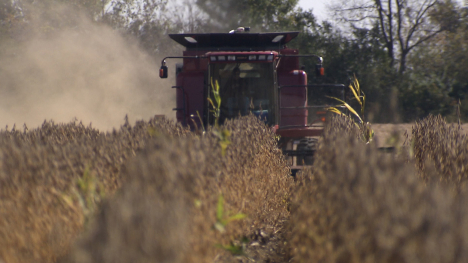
(89, 72)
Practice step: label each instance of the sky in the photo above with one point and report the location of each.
(317, 5)
(320, 11)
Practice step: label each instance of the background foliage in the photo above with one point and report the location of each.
(427, 74)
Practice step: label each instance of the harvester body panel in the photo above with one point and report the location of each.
(255, 73)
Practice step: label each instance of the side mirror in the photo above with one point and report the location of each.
(163, 71)
(319, 70)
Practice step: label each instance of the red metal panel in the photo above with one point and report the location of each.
(288, 63)
(180, 99)
(192, 92)
(300, 132)
(291, 96)
(195, 64)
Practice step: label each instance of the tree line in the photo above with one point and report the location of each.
(411, 57)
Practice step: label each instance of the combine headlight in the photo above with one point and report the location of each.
(212, 58)
(221, 58)
(252, 57)
(231, 58)
(270, 58)
(261, 57)
(191, 40)
(277, 38)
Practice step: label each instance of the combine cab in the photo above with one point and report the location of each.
(257, 74)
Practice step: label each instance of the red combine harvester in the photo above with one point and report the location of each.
(256, 74)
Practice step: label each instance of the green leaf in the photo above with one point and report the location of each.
(235, 250)
(238, 216)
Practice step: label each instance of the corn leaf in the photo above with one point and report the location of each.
(363, 103)
(348, 107)
(356, 84)
(353, 111)
(211, 102)
(355, 93)
(334, 110)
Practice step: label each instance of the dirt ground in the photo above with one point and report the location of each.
(387, 134)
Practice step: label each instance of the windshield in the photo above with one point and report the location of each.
(245, 88)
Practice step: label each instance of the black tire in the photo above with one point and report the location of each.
(309, 145)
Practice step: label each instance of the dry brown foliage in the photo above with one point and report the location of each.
(183, 179)
(163, 184)
(358, 205)
(444, 147)
(39, 171)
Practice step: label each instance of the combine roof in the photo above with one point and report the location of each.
(238, 41)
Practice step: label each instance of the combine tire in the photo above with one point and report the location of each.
(308, 145)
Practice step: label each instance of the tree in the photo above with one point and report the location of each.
(404, 24)
(149, 21)
(439, 72)
(22, 20)
(9, 13)
(261, 15)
